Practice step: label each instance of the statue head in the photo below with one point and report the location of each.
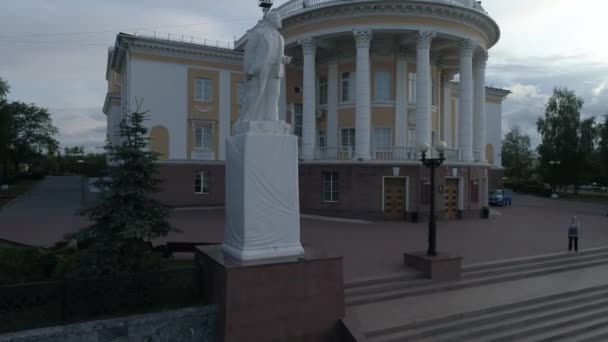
(274, 18)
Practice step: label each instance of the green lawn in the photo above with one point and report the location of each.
(15, 190)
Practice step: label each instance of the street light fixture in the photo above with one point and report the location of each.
(432, 163)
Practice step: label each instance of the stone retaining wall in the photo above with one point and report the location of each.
(189, 325)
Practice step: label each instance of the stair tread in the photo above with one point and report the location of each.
(536, 329)
(400, 293)
(510, 312)
(594, 329)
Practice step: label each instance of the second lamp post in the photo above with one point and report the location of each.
(432, 163)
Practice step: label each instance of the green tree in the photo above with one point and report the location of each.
(517, 155)
(31, 132)
(560, 133)
(603, 150)
(127, 217)
(5, 129)
(589, 135)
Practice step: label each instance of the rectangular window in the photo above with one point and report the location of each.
(201, 183)
(297, 111)
(322, 91)
(411, 87)
(203, 90)
(382, 86)
(348, 86)
(322, 139)
(203, 137)
(383, 137)
(330, 187)
(347, 137)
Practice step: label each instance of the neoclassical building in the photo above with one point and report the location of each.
(369, 81)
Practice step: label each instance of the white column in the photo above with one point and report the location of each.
(423, 88)
(446, 78)
(283, 98)
(332, 103)
(363, 39)
(401, 111)
(479, 128)
(309, 103)
(225, 104)
(465, 134)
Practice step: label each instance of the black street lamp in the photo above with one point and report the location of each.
(432, 163)
(265, 5)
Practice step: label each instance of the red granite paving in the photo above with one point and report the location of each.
(531, 226)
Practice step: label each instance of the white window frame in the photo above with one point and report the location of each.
(411, 87)
(382, 86)
(203, 90)
(334, 187)
(390, 137)
(202, 126)
(352, 137)
(322, 91)
(202, 183)
(350, 84)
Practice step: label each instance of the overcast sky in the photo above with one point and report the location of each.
(53, 52)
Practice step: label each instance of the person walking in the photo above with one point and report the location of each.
(573, 234)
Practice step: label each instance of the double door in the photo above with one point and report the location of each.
(394, 198)
(451, 198)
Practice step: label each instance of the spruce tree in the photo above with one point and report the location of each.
(127, 217)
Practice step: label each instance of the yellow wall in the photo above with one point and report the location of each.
(159, 141)
(490, 153)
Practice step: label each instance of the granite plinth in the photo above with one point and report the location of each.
(280, 299)
(443, 267)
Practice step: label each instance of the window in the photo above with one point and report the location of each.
(383, 137)
(202, 137)
(330, 187)
(201, 183)
(297, 111)
(323, 91)
(203, 90)
(347, 137)
(382, 85)
(322, 139)
(348, 86)
(412, 87)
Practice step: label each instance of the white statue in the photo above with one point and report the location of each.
(264, 63)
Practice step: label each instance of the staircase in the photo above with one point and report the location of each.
(581, 314)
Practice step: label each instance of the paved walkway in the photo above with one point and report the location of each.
(532, 226)
(51, 196)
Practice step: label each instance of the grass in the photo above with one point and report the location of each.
(15, 190)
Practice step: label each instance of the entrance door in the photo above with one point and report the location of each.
(451, 199)
(394, 198)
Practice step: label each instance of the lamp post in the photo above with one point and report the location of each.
(432, 163)
(554, 164)
(265, 5)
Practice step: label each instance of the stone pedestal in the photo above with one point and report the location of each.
(262, 198)
(443, 267)
(274, 300)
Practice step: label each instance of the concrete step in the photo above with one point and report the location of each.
(533, 264)
(594, 335)
(383, 280)
(406, 291)
(532, 259)
(532, 331)
(597, 331)
(387, 286)
(500, 315)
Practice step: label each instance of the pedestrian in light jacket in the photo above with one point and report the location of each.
(573, 233)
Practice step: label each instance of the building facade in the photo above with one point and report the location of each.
(369, 81)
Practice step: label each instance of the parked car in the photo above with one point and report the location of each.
(501, 197)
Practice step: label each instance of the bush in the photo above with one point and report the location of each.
(26, 264)
(530, 188)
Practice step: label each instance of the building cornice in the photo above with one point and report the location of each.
(131, 43)
(475, 19)
(495, 94)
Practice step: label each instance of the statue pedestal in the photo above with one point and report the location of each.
(262, 198)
